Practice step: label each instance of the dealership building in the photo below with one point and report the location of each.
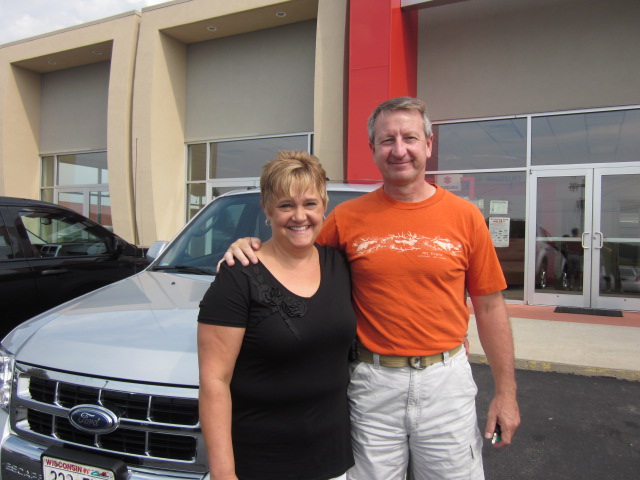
(140, 119)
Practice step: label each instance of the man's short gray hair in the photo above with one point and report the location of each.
(400, 103)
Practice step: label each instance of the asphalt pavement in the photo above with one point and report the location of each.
(579, 396)
(573, 427)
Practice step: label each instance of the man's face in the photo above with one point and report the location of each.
(400, 149)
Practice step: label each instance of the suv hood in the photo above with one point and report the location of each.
(140, 329)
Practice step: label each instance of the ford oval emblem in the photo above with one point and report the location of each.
(93, 419)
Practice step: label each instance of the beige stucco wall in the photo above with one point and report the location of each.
(120, 147)
(256, 83)
(330, 87)
(158, 136)
(502, 57)
(19, 130)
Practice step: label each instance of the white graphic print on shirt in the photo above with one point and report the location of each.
(432, 247)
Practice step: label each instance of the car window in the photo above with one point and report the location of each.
(206, 239)
(199, 247)
(6, 252)
(54, 234)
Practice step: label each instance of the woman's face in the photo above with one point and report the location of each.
(296, 219)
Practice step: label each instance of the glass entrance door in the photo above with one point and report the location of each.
(616, 239)
(585, 238)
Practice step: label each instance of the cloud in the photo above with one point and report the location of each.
(21, 19)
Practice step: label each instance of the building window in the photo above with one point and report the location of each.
(501, 197)
(592, 137)
(79, 181)
(219, 166)
(484, 162)
(480, 145)
(487, 161)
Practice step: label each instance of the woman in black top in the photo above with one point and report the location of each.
(273, 342)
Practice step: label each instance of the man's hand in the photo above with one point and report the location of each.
(503, 411)
(242, 250)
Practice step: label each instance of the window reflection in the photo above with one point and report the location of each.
(501, 197)
(484, 144)
(72, 200)
(47, 171)
(100, 209)
(197, 164)
(80, 182)
(83, 169)
(245, 158)
(232, 164)
(600, 137)
(196, 193)
(620, 226)
(560, 212)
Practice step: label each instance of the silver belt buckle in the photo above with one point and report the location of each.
(414, 362)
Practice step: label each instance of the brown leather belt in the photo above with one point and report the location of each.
(392, 361)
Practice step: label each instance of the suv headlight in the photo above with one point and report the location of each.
(6, 379)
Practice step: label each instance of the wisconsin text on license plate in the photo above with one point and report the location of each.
(58, 469)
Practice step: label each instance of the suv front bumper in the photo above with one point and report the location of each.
(20, 460)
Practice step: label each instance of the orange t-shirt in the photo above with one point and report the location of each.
(410, 265)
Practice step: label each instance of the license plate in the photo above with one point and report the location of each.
(59, 469)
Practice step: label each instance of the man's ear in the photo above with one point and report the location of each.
(429, 146)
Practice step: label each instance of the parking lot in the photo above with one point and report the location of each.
(573, 427)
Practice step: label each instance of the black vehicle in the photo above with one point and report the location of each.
(50, 254)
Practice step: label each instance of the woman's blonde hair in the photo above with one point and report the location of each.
(292, 172)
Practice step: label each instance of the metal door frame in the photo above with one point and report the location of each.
(592, 241)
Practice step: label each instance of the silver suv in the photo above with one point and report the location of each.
(106, 386)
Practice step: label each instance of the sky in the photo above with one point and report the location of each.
(27, 18)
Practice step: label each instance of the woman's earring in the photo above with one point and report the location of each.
(267, 222)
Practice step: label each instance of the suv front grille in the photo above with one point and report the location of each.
(131, 406)
(158, 424)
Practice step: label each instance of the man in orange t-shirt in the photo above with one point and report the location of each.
(414, 251)
(408, 275)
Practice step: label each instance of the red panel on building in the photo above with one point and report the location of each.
(382, 65)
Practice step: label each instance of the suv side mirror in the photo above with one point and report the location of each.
(156, 249)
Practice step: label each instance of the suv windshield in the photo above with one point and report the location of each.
(202, 244)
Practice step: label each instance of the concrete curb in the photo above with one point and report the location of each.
(541, 366)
